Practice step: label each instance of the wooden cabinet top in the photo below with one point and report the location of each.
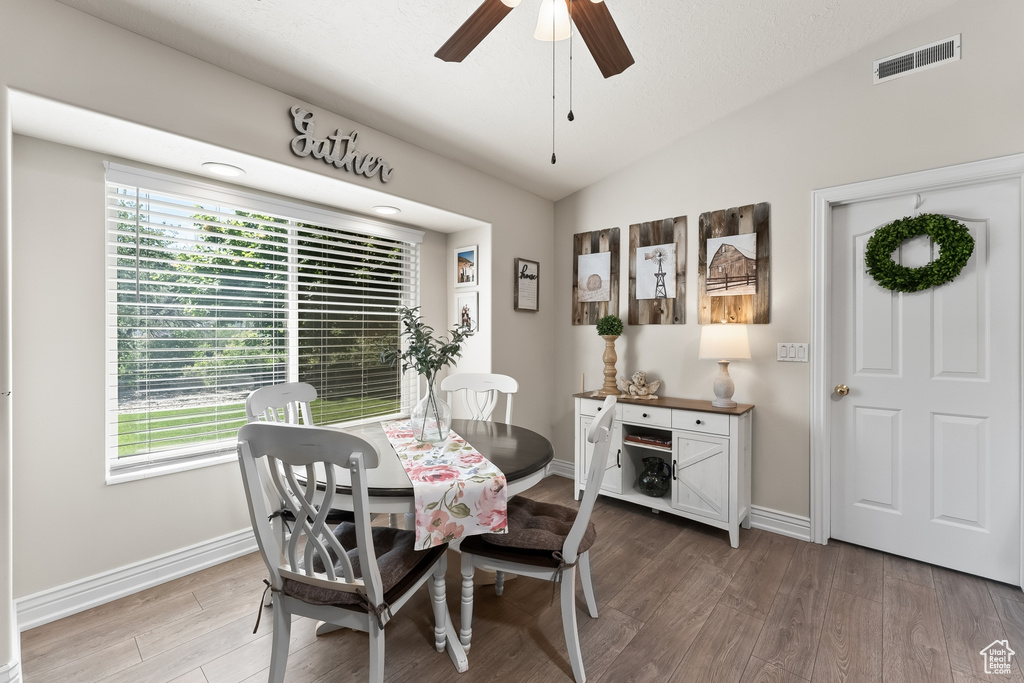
(677, 403)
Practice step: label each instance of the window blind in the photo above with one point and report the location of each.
(212, 294)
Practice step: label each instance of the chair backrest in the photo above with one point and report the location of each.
(296, 456)
(480, 391)
(599, 434)
(281, 403)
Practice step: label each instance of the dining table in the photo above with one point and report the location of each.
(521, 454)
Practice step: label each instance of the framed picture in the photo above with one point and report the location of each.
(465, 266)
(734, 265)
(527, 285)
(657, 272)
(466, 310)
(595, 275)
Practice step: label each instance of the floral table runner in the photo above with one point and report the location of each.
(458, 492)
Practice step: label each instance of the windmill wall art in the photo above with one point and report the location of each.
(657, 272)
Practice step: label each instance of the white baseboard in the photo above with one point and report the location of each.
(562, 468)
(780, 522)
(11, 673)
(78, 596)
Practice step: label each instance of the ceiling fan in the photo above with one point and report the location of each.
(592, 19)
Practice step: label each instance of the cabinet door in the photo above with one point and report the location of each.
(612, 481)
(700, 483)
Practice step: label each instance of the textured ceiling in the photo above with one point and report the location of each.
(372, 61)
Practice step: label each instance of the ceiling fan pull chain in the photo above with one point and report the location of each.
(571, 27)
(553, 87)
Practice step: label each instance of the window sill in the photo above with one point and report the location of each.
(156, 470)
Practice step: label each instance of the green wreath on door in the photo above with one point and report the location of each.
(955, 248)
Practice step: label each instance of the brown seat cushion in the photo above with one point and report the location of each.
(535, 531)
(401, 565)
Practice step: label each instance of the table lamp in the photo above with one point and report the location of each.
(724, 342)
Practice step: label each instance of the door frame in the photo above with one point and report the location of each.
(1001, 168)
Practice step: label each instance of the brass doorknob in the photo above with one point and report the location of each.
(842, 390)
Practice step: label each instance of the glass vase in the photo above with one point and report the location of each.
(431, 418)
(656, 477)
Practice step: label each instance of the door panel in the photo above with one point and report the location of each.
(877, 458)
(612, 480)
(701, 471)
(926, 447)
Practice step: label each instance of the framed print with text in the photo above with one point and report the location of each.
(526, 296)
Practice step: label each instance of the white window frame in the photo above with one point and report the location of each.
(143, 466)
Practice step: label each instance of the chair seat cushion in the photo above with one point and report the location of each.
(536, 526)
(400, 564)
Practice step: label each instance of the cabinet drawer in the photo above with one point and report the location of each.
(645, 415)
(708, 423)
(591, 407)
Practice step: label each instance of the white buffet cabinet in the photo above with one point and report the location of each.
(707, 449)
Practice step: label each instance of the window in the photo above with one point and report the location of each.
(213, 293)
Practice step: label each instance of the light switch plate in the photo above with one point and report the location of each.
(791, 352)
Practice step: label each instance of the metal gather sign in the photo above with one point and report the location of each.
(338, 150)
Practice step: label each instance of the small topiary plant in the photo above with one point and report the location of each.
(610, 325)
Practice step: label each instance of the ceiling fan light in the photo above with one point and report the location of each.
(560, 25)
(511, 3)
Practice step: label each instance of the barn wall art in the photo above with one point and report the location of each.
(657, 272)
(595, 275)
(734, 268)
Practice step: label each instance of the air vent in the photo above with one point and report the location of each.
(925, 57)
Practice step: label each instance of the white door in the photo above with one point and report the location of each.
(926, 445)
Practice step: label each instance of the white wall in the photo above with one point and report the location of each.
(833, 128)
(52, 51)
(10, 658)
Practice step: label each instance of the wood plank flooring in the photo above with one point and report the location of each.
(676, 603)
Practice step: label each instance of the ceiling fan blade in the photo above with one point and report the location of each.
(601, 35)
(480, 23)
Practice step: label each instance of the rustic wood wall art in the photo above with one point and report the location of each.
(734, 269)
(657, 272)
(595, 275)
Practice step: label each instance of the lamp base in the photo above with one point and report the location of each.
(724, 387)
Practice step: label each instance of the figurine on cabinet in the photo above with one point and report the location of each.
(638, 387)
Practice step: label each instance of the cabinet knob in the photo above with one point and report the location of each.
(599, 409)
(700, 422)
(646, 415)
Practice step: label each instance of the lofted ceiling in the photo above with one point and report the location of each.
(372, 61)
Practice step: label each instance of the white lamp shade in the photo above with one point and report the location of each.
(724, 342)
(551, 30)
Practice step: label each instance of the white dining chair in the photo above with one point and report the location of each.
(480, 392)
(285, 402)
(353, 576)
(545, 541)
